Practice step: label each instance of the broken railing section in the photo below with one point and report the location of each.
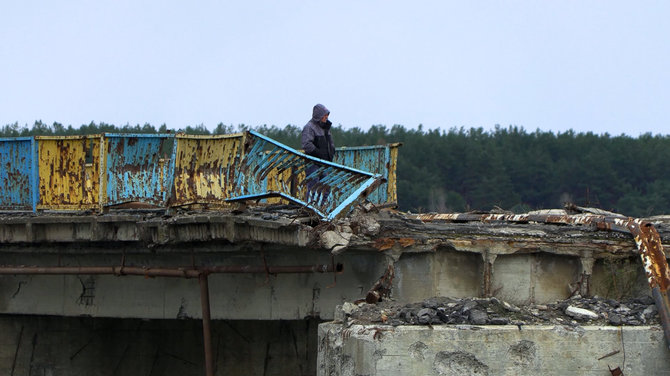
(271, 169)
(646, 237)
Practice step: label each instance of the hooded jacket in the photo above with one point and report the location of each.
(316, 138)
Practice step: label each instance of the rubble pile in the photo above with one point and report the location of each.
(575, 311)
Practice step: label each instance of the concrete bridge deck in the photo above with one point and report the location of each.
(520, 263)
(270, 262)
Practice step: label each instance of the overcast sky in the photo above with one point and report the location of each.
(600, 66)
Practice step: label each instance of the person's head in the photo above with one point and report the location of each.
(320, 113)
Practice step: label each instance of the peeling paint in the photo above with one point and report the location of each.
(18, 189)
(205, 168)
(136, 170)
(69, 172)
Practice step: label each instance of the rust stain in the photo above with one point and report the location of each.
(383, 244)
(651, 251)
(205, 168)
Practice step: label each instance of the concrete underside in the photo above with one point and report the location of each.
(490, 350)
(62, 346)
(520, 279)
(518, 263)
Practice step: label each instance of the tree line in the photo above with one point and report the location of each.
(460, 169)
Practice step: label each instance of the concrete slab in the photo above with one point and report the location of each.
(490, 350)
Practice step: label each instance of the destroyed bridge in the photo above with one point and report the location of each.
(224, 229)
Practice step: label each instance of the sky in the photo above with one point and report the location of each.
(587, 65)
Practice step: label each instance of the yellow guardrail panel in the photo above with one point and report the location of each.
(204, 168)
(392, 190)
(69, 172)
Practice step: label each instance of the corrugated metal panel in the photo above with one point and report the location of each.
(205, 167)
(331, 188)
(69, 172)
(17, 174)
(138, 168)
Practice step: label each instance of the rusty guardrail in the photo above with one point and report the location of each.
(378, 159)
(18, 174)
(205, 168)
(69, 172)
(99, 171)
(647, 240)
(137, 168)
(329, 188)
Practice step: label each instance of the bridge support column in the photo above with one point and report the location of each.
(586, 261)
(489, 258)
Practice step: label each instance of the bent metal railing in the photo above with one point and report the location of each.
(647, 240)
(329, 189)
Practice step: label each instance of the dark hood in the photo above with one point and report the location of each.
(318, 112)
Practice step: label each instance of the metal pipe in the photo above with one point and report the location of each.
(186, 272)
(206, 324)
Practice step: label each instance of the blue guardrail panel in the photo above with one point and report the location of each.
(329, 189)
(18, 173)
(139, 168)
(375, 159)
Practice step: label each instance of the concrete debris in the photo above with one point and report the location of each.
(343, 311)
(513, 308)
(575, 311)
(365, 225)
(580, 313)
(335, 241)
